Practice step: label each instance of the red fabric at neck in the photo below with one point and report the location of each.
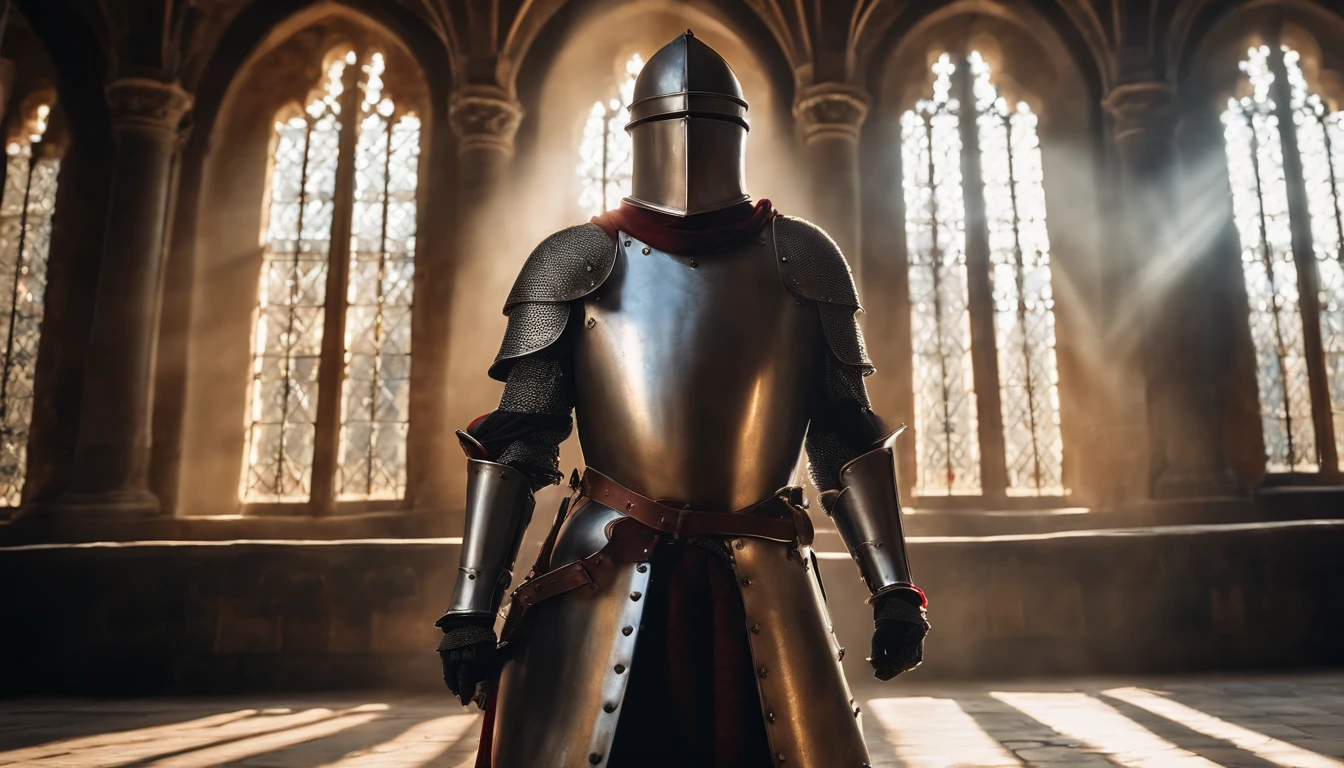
(688, 235)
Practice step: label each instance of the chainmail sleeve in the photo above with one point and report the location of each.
(534, 416)
(843, 425)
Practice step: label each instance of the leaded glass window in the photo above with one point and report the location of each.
(982, 309)
(328, 409)
(26, 209)
(605, 153)
(1285, 162)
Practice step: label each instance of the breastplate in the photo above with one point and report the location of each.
(692, 374)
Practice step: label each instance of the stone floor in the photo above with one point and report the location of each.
(1252, 722)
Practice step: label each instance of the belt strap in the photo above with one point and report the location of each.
(775, 518)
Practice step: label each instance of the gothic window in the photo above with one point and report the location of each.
(26, 208)
(1285, 161)
(605, 154)
(982, 311)
(328, 406)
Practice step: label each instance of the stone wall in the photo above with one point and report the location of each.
(243, 616)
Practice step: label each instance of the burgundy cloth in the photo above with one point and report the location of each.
(688, 235)
(692, 696)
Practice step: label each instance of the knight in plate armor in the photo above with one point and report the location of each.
(675, 615)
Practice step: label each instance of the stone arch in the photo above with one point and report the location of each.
(211, 287)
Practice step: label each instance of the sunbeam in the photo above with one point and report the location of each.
(416, 746)
(1264, 747)
(936, 733)
(1081, 717)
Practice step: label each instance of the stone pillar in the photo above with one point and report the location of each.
(485, 120)
(1158, 288)
(829, 117)
(113, 451)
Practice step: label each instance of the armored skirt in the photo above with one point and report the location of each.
(702, 652)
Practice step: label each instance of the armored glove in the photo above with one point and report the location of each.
(899, 627)
(468, 654)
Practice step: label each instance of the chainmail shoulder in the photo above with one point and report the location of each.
(532, 328)
(567, 265)
(811, 263)
(840, 323)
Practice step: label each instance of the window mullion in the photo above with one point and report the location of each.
(326, 436)
(1304, 257)
(989, 416)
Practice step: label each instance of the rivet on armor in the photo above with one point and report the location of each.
(620, 669)
(471, 577)
(755, 629)
(642, 568)
(770, 716)
(594, 759)
(588, 268)
(646, 250)
(779, 756)
(741, 545)
(783, 258)
(627, 243)
(746, 582)
(763, 672)
(609, 707)
(636, 595)
(629, 505)
(627, 630)
(856, 711)
(694, 264)
(592, 322)
(840, 656)
(761, 239)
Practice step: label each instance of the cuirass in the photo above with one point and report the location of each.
(693, 374)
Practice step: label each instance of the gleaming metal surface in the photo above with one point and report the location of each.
(688, 129)
(499, 507)
(868, 517)
(583, 533)
(560, 696)
(811, 716)
(692, 375)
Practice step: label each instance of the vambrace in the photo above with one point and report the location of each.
(499, 507)
(867, 514)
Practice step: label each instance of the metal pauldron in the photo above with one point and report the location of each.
(499, 507)
(867, 514)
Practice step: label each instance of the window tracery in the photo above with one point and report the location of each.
(975, 229)
(605, 152)
(27, 205)
(1285, 161)
(341, 225)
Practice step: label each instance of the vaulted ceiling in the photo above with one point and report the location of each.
(486, 40)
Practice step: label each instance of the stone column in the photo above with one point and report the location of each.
(829, 117)
(113, 451)
(1158, 287)
(485, 120)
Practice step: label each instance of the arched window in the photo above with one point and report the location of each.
(328, 412)
(26, 209)
(605, 155)
(1285, 161)
(982, 310)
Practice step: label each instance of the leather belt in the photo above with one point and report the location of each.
(777, 518)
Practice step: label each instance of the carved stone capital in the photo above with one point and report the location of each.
(830, 110)
(139, 103)
(484, 117)
(1142, 109)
